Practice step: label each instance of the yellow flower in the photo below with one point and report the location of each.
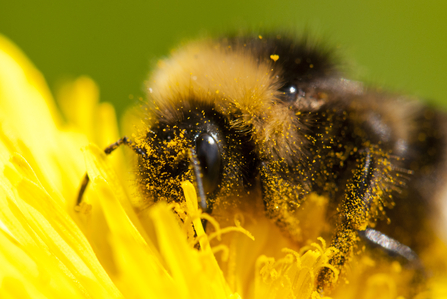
(110, 250)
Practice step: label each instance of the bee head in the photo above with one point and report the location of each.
(219, 109)
(199, 146)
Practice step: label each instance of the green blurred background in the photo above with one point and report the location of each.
(398, 44)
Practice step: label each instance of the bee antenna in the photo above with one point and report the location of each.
(198, 173)
(108, 150)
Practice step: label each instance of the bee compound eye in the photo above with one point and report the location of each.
(210, 161)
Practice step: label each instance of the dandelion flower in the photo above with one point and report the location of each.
(108, 250)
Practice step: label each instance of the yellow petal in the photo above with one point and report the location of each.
(43, 229)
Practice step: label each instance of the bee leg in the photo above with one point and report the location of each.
(281, 198)
(363, 193)
(108, 150)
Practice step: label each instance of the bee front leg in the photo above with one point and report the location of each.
(363, 198)
(281, 198)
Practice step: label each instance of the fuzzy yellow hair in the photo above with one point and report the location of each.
(238, 85)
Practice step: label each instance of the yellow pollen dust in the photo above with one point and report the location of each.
(274, 57)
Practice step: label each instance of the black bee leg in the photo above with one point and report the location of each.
(281, 198)
(108, 150)
(363, 193)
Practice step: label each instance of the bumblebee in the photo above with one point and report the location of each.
(273, 117)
